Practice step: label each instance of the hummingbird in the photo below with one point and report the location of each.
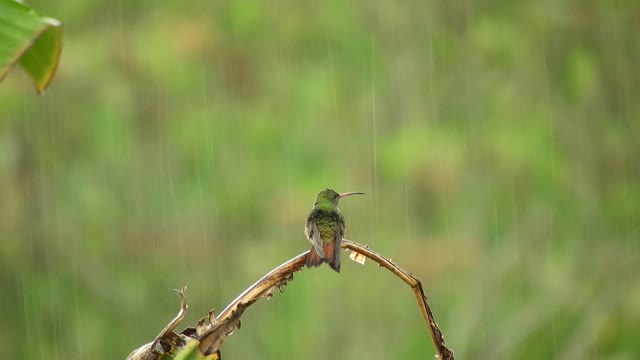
(325, 228)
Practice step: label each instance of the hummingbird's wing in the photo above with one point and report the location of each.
(313, 235)
(339, 234)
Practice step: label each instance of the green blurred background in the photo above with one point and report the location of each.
(182, 143)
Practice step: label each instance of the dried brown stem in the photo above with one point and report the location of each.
(211, 331)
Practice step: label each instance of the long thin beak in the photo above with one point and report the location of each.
(350, 193)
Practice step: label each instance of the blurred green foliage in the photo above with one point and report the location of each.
(182, 143)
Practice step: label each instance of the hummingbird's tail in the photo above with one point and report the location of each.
(313, 259)
(331, 257)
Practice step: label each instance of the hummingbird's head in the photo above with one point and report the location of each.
(328, 198)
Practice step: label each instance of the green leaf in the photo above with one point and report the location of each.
(30, 39)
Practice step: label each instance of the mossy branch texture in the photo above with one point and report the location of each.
(211, 331)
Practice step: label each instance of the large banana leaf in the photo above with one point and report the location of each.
(30, 39)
